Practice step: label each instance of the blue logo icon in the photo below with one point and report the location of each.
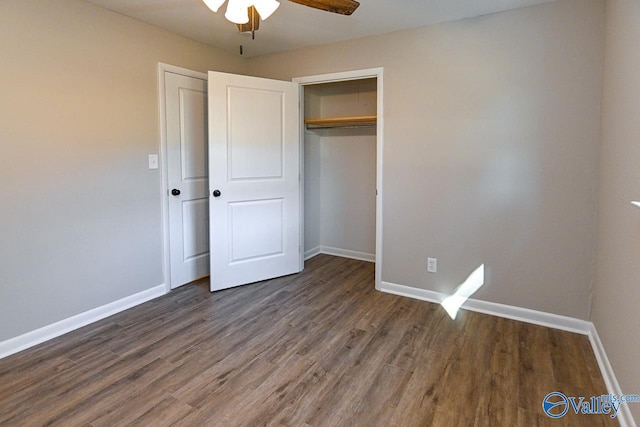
(555, 404)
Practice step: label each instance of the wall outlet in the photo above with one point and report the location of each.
(432, 265)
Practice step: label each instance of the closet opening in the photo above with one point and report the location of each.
(341, 167)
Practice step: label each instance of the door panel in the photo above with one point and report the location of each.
(193, 137)
(254, 163)
(195, 244)
(256, 229)
(256, 149)
(187, 171)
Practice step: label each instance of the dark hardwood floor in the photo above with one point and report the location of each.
(321, 348)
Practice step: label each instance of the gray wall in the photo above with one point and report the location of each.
(491, 140)
(81, 211)
(348, 190)
(617, 291)
(312, 192)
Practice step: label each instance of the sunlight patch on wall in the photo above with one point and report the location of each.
(470, 286)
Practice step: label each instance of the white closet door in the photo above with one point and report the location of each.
(254, 179)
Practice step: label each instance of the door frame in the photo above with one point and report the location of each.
(338, 77)
(164, 186)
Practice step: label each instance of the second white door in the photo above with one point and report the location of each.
(254, 179)
(187, 173)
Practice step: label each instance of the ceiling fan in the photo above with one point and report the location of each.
(246, 14)
(343, 7)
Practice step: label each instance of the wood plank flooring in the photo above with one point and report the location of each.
(321, 348)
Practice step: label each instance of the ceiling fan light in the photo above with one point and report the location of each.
(237, 12)
(266, 7)
(214, 5)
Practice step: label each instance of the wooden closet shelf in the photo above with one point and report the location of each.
(340, 122)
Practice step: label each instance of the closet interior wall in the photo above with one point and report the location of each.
(340, 171)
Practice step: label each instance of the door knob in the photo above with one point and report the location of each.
(216, 193)
(175, 192)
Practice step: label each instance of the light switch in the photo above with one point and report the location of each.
(153, 161)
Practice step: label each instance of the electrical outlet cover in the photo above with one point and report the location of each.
(432, 265)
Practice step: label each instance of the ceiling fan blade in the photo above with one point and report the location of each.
(343, 7)
(253, 24)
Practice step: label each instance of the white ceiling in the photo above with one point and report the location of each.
(293, 26)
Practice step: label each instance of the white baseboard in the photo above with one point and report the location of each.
(30, 339)
(611, 382)
(541, 318)
(312, 252)
(538, 318)
(344, 253)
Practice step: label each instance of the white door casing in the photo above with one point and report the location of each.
(187, 172)
(376, 73)
(254, 164)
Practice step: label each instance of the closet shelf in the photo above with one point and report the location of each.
(341, 122)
